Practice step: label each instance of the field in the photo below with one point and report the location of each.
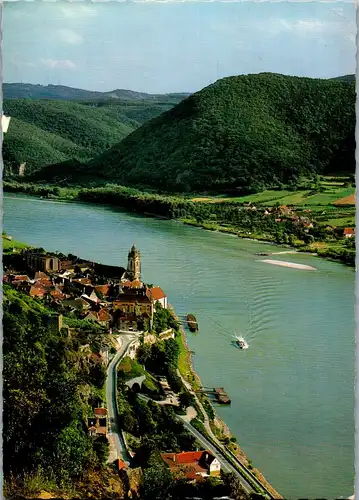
(347, 200)
(332, 194)
(9, 245)
(330, 202)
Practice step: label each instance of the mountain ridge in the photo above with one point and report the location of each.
(38, 91)
(241, 133)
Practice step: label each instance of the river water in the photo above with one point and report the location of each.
(292, 391)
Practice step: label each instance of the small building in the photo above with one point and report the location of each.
(98, 425)
(349, 232)
(13, 278)
(104, 317)
(100, 412)
(192, 465)
(158, 295)
(42, 262)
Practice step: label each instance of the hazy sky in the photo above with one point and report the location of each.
(173, 47)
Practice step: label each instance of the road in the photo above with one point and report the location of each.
(226, 466)
(117, 445)
(214, 438)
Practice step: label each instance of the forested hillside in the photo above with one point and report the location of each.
(240, 134)
(45, 132)
(48, 386)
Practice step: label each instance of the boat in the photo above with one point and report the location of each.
(241, 343)
(192, 323)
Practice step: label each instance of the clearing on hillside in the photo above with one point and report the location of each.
(347, 200)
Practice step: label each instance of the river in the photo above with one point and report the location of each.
(292, 391)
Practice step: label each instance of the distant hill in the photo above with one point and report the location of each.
(239, 134)
(44, 132)
(346, 78)
(30, 91)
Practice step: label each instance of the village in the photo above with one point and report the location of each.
(113, 297)
(118, 301)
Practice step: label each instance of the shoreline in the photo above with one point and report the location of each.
(214, 228)
(220, 427)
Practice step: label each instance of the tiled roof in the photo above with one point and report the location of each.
(82, 281)
(121, 464)
(104, 289)
(101, 430)
(21, 277)
(349, 230)
(40, 274)
(36, 290)
(185, 457)
(100, 411)
(124, 299)
(192, 460)
(103, 315)
(157, 293)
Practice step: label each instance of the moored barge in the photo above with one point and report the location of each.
(192, 323)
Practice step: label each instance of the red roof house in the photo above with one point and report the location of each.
(192, 464)
(121, 465)
(158, 295)
(100, 412)
(349, 232)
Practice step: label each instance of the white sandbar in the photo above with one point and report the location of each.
(289, 264)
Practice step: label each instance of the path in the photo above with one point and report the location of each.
(204, 413)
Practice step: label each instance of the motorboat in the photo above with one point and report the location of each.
(241, 343)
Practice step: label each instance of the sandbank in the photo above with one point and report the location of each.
(289, 264)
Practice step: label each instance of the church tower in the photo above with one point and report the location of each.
(134, 264)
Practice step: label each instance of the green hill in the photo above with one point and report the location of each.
(240, 134)
(45, 132)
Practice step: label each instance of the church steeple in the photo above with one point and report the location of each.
(134, 264)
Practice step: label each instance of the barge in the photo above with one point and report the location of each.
(221, 396)
(192, 323)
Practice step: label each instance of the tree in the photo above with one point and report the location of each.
(157, 481)
(101, 448)
(144, 353)
(186, 399)
(72, 451)
(233, 484)
(97, 375)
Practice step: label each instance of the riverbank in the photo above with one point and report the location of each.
(220, 217)
(218, 426)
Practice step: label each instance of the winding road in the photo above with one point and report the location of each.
(117, 445)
